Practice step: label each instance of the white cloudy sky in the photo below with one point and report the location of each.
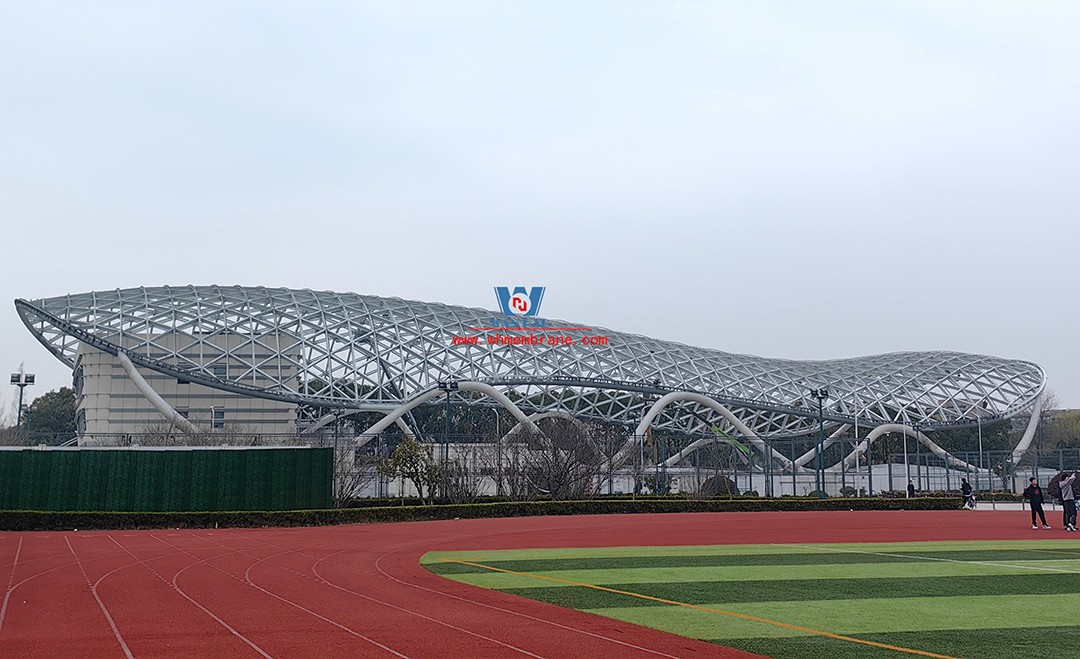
(793, 179)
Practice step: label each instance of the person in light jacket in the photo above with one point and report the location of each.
(1068, 501)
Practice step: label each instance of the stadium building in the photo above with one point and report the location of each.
(276, 360)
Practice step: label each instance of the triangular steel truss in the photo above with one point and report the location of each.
(349, 351)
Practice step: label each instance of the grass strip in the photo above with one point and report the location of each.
(804, 590)
(1065, 546)
(751, 559)
(856, 617)
(503, 579)
(998, 643)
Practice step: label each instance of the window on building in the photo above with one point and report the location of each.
(219, 418)
(182, 412)
(219, 371)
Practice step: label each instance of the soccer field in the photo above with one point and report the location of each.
(938, 599)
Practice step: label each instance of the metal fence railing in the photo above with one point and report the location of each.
(573, 463)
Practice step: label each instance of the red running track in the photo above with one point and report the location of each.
(359, 591)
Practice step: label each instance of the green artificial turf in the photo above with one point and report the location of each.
(962, 599)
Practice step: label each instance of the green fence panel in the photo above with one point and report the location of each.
(35, 478)
(173, 480)
(258, 479)
(122, 481)
(322, 478)
(286, 487)
(63, 492)
(203, 481)
(93, 474)
(10, 480)
(176, 481)
(232, 481)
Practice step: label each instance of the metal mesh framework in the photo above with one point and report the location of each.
(345, 351)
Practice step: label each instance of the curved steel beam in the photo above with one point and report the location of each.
(926, 441)
(1029, 434)
(698, 444)
(155, 399)
(435, 392)
(688, 396)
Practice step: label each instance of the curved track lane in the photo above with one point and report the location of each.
(360, 591)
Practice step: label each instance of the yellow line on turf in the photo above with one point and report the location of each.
(741, 616)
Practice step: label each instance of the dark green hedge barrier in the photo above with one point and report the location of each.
(23, 520)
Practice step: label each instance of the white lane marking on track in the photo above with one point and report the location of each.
(11, 580)
(320, 579)
(308, 611)
(933, 558)
(104, 609)
(247, 578)
(516, 613)
(315, 571)
(189, 598)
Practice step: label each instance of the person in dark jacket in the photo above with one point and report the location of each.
(1034, 495)
(965, 493)
(910, 489)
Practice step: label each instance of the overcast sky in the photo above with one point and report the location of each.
(808, 180)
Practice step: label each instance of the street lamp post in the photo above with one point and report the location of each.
(918, 456)
(22, 380)
(978, 472)
(820, 394)
(449, 386)
(498, 454)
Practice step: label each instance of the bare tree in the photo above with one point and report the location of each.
(168, 433)
(562, 462)
(511, 471)
(463, 474)
(353, 472)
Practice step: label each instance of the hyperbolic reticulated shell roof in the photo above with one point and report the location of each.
(358, 351)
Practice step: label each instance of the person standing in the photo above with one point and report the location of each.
(1034, 494)
(910, 489)
(1068, 501)
(965, 492)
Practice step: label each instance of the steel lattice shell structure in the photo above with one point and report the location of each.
(355, 352)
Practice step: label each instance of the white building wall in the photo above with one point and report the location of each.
(108, 402)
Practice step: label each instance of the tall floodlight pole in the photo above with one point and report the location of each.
(978, 472)
(498, 453)
(918, 456)
(820, 394)
(22, 380)
(449, 386)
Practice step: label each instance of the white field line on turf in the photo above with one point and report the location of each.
(933, 558)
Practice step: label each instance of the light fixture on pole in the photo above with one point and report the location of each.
(820, 394)
(22, 380)
(449, 386)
